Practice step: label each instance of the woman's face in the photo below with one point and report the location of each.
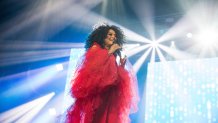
(111, 37)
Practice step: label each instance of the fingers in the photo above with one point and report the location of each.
(113, 48)
(123, 63)
(116, 46)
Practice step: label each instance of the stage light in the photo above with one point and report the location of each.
(59, 67)
(172, 43)
(189, 35)
(36, 79)
(26, 112)
(154, 44)
(160, 55)
(10, 58)
(144, 11)
(207, 37)
(136, 50)
(141, 60)
(152, 55)
(205, 42)
(175, 53)
(52, 112)
(128, 47)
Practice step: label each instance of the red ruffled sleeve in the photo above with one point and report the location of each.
(128, 87)
(97, 71)
(104, 91)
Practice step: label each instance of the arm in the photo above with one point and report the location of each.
(97, 71)
(128, 86)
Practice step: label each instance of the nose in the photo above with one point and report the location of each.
(113, 36)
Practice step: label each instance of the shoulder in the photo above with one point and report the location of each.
(97, 50)
(95, 47)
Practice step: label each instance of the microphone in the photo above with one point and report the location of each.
(118, 52)
(122, 61)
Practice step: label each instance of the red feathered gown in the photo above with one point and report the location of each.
(103, 91)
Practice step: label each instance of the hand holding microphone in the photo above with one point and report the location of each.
(123, 61)
(113, 48)
(116, 48)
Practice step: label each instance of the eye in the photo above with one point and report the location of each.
(111, 34)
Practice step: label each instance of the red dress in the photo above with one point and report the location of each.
(103, 91)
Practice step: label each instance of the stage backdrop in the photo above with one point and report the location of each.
(182, 92)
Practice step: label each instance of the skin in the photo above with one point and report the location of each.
(111, 46)
(109, 42)
(110, 39)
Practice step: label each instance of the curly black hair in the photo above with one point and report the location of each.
(100, 33)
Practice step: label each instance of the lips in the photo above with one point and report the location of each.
(111, 39)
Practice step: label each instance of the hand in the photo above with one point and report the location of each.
(113, 48)
(123, 61)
